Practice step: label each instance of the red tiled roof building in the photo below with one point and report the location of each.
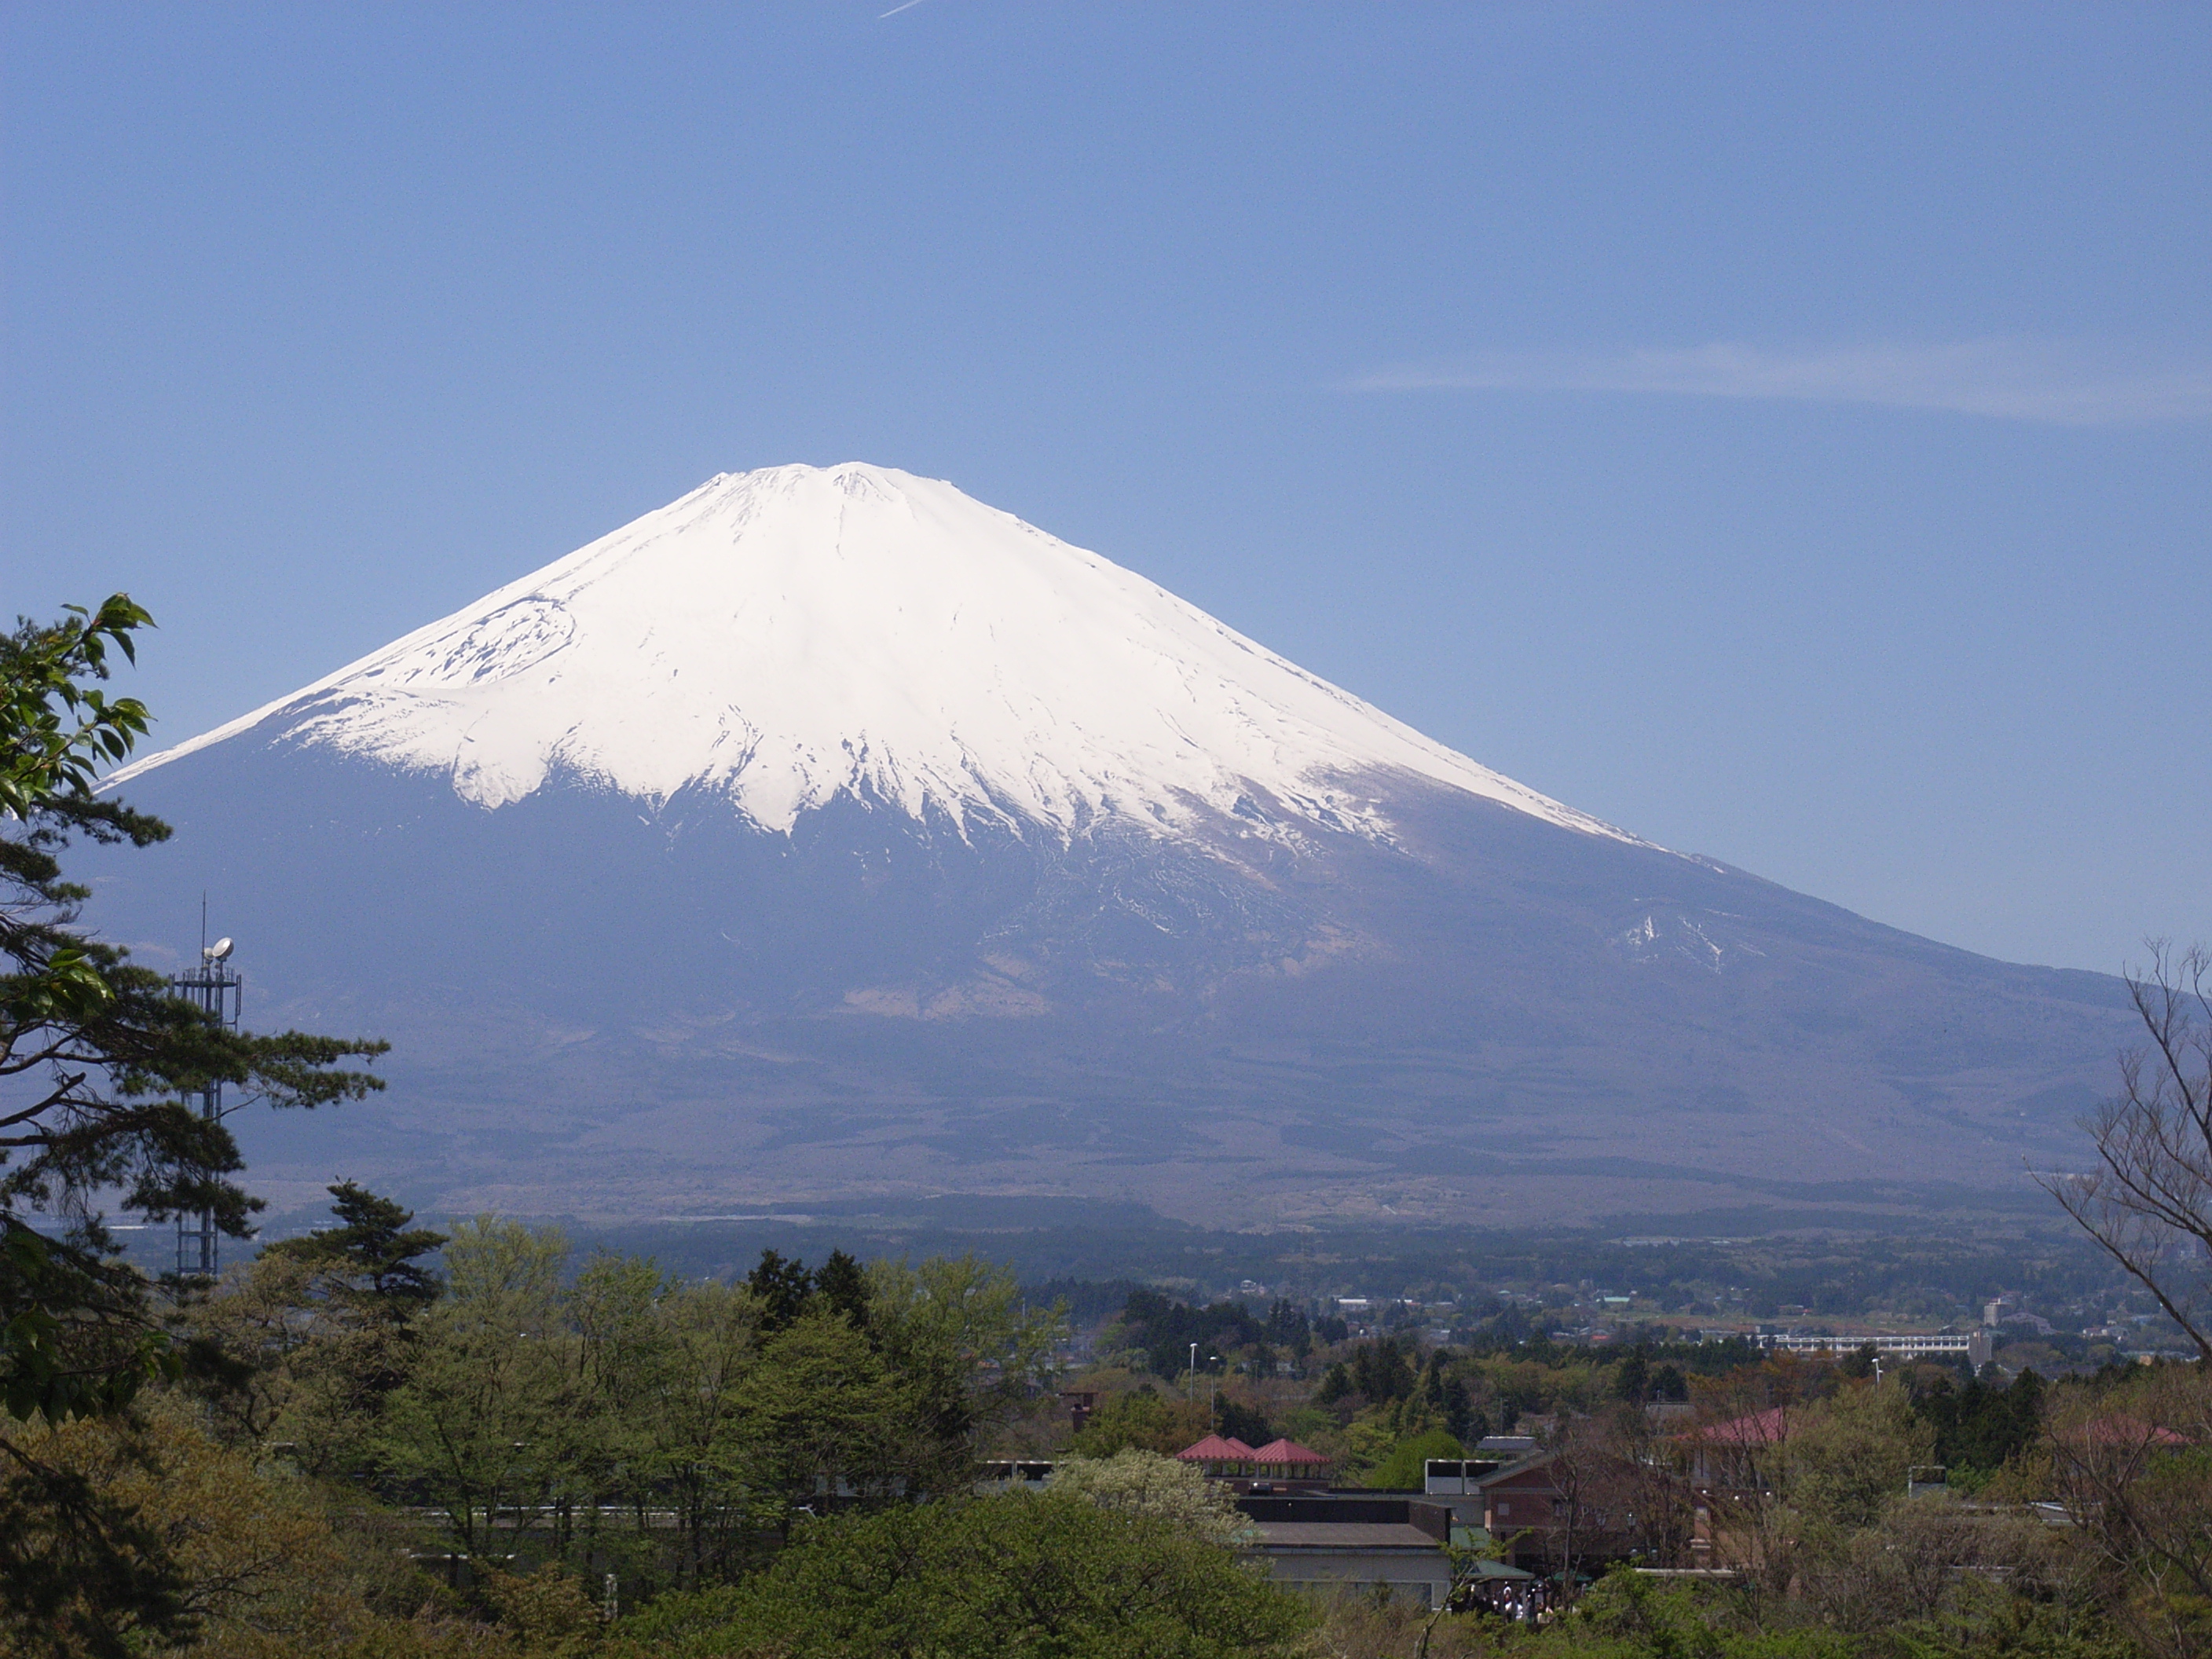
(1290, 1457)
(1218, 1454)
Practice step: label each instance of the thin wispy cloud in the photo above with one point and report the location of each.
(2008, 379)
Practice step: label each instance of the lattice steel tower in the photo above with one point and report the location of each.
(218, 988)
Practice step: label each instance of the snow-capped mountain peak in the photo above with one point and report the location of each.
(786, 635)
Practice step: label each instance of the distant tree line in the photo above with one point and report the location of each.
(1164, 1330)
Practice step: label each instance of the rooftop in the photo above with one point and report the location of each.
(1287, 1452)
(1342, 1535)
(1214, 1448)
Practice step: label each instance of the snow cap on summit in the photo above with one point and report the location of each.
(790, 635)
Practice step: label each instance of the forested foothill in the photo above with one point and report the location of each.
(377, 1438)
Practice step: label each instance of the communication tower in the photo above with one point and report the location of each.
(218, 988)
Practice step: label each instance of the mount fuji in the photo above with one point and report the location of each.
(827, 835)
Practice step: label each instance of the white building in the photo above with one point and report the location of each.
(1975, 1347)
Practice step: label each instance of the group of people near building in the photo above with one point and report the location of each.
(1527, 1600)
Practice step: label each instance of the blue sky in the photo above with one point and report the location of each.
(1781, 430)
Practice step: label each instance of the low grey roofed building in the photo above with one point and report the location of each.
(1330, 1543)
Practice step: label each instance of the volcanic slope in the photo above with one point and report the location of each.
(827, 834)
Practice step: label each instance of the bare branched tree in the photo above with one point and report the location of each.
(2130, 1467)
(2148, 1202)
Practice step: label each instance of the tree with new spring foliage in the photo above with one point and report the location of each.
(1020, 1575)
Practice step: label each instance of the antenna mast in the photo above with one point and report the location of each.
(220, 991)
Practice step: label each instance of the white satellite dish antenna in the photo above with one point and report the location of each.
(216, 951)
